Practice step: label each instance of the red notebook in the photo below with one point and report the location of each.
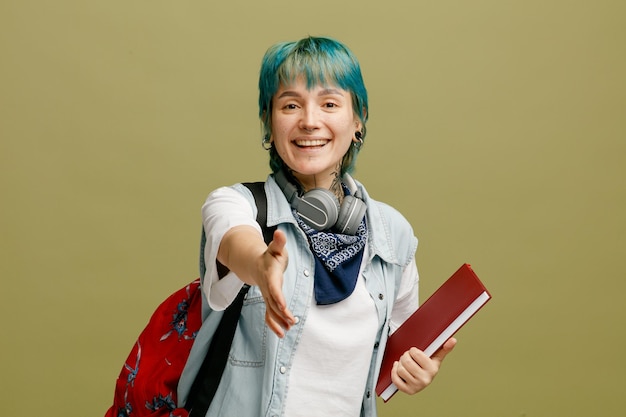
(434, 322)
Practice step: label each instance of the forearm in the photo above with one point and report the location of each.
(241, 250)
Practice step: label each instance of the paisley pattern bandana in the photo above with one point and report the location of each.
(337, 261)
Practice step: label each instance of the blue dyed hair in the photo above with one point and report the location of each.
(322, 61)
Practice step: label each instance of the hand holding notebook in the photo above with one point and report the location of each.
(434, 322)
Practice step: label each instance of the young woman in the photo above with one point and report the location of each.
(340, 273)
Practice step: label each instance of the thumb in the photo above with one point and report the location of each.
(447, 347)
(277, 245)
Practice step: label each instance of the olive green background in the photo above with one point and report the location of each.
(497, 127)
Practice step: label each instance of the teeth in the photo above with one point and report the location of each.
(311, 142)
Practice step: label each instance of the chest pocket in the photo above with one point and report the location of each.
(250, 341)
(383, 282)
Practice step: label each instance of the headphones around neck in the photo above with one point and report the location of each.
(320, 208)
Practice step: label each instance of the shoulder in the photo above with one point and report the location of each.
(235, 191)
(229, 201)
(236, 194)
(386, 213)
(391, 233)
(390, 214)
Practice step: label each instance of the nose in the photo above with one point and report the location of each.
(310, 119)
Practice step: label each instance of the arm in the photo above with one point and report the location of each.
(243, 251)
(234, 238)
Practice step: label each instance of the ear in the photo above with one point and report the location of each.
(358, 119)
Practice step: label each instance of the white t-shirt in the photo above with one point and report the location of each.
(331, 363)
(333, 356)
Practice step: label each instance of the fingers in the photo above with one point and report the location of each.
(275, 269)
(278, 320)
(277, 315)
(414, 371)
(405, 381)
(277, 324)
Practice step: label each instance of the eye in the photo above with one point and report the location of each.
(290, 106)
(330, 105)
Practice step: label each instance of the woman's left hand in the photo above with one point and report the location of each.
(415, 371)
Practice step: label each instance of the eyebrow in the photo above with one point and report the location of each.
(324, 92)
(329, 91)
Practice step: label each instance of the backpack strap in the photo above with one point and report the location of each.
(208, 378)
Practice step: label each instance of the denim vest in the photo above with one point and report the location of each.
(255, 380)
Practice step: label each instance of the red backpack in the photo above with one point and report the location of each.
(147, 384)
(149, 378)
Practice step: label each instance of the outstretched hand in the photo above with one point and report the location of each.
(414, 371)
(244, 252)
(272, 265)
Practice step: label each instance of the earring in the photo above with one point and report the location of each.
(266, 143)
(359, 139)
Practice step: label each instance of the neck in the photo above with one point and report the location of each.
(331, 182)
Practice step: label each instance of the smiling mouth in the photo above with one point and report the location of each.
(306, 143)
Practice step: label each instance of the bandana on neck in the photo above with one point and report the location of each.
(337, 261)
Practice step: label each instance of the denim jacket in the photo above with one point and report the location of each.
(255, 380)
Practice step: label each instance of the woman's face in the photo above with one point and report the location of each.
(312, 129)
